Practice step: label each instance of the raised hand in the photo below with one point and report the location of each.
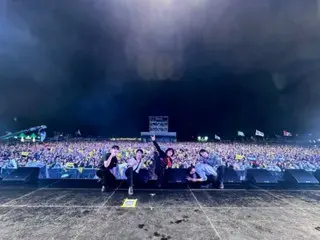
(113, 154)
(153, 138)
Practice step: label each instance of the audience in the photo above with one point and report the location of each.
(87, 154)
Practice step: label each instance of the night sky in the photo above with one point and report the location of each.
(216, 66)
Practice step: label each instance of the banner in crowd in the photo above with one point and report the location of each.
(259, 133)
(217, 137)
(239, 157)
(241, 134)
(287, 134)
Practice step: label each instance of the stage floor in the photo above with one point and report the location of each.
(49, 212)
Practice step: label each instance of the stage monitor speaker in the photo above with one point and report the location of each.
(6, 171)
(23, 175)
(260, 176)
(176, 175)
(231, 176)
(299, 176)
(144, 173)
(317, 174)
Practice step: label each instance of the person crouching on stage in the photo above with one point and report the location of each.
(210, 168)
(163, 162)
(107, 163)
(193, 176)
(133, 172)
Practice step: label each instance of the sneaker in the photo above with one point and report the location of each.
(221, 186)
(130, 191)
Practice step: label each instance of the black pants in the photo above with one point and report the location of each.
(221, 171)
(161, 176)
(134, 177)
(108, 179)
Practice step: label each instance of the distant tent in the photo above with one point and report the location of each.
(33, 137)
(22, 135)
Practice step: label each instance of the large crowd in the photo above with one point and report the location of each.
(87, 154)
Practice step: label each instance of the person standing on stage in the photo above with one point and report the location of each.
(107, 163)
(210, 168)
(163, 162)
(133, 172)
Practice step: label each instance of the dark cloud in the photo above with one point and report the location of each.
(73, 58)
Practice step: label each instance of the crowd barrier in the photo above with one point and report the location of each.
(75, 173)
(90, 173)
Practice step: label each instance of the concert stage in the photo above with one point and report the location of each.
(64, 210)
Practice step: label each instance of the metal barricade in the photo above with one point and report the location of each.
(87, 173)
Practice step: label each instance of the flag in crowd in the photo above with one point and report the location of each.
(241, 134)
(286, 134)
(259, 133)
(217, 137)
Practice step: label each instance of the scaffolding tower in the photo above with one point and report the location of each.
(158, 124)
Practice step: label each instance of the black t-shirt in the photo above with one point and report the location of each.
(112, 164)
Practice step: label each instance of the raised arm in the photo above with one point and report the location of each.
(107, 162)
(153, 138)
